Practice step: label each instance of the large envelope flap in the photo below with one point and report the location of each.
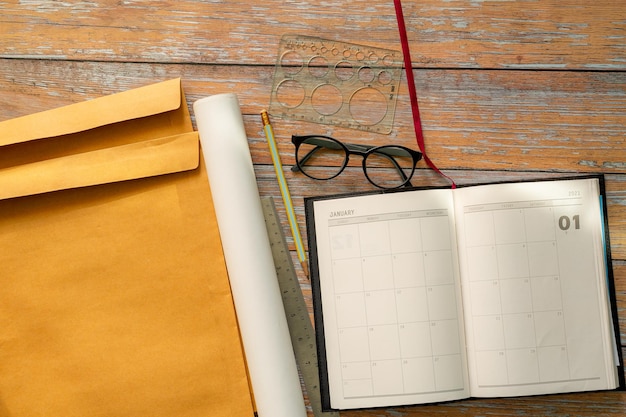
(138, 133)
(120, 163)
(79, 117)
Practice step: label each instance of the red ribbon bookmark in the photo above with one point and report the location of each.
(408, 65)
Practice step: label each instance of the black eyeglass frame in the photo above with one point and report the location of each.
(356, 149)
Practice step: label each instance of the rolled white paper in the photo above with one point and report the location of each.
(264, 331)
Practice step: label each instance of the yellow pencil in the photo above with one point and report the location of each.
(284, 191)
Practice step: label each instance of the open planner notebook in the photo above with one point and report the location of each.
(434, 295)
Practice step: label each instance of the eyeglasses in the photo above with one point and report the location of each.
(324, 158)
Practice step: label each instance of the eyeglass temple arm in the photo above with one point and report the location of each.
(305, 158)
(350, 146)
(389, 156)
(320, 143)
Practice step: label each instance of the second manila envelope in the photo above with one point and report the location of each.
(114, 298)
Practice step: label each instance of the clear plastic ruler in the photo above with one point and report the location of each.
(336, 83)
(300, 327)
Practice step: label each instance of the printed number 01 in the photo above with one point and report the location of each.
(565, 222)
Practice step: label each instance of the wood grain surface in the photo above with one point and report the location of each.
(508, 89)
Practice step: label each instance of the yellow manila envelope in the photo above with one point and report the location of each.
(114, 298)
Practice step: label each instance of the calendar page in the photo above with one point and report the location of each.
(392, 315)
(535, 298)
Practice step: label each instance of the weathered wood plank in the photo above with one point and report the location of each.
(544, 34)
(495, 120)
(511, 120)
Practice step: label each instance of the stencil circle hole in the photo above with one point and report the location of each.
(291, 62)
(290, 94)
(360, 56)
(326, 99)
(368, 106)
(318, 66)
(366, 75)
(385, 78)
(388, 60)
(344, 70)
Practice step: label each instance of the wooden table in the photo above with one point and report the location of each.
(509, 89)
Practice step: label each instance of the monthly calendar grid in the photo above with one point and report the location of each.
(517, 301)
(395, 302)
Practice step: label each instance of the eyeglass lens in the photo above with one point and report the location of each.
(325, 158)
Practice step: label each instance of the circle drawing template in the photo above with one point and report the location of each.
(337, 83)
